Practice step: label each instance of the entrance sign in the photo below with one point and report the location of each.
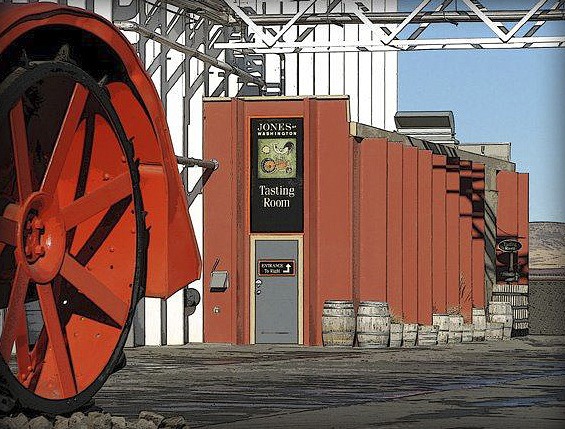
(274, 267)
(277, 175)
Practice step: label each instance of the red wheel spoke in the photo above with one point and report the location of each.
(8, 229)
(96, 201)
(21, 153)
(37, 355)
(65, 138)
(56, 339)
(38, 352)
(15, 317)
(94, 290)
(22, 346)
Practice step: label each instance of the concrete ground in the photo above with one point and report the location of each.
(518, 383)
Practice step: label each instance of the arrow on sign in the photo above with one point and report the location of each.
(288, 267)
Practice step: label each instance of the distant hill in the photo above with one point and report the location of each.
(547, 245)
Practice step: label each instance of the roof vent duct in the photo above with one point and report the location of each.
(435, 127)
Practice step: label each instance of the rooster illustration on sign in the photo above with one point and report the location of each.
(287, 148)
(278, 162)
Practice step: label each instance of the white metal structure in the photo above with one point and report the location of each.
(369, 78)
(397, 31)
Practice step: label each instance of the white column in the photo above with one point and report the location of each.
(321, 60)
(195, 321)
(77, 3)
(391, 79)
(175, 120)
(175, 319)
(337, 63)
(351, 74)
(103, 8)
(152, 321)
(365, 80)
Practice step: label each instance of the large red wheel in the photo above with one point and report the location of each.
(72, 235)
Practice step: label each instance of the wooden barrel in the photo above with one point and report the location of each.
(427, 335)
(373, 324)
(396, 334)
(338, 324)
(494, 331)
(455, 328)
(518, 296)
(409, 334)
(467, 333)
(442, 323)
(479, 324)
(501, 312)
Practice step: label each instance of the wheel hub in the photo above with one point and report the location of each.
(43, 237)
(33, 231)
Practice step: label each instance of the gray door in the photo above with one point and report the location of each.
(276, 291)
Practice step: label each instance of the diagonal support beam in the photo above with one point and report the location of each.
(500, 30)
(132, 26)
(525, 19)
(484, 9)
(406, 21)
(201, 9)
(422, 27)
(375, 29)
(295, 18)
(540, 24)
(259, 33)
(269, 39)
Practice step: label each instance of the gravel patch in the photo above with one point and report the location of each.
(93, 420)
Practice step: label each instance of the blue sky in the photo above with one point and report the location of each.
(515, 96)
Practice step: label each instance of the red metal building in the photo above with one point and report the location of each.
(307, 207)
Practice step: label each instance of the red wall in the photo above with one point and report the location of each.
(425, 237)
(512, 218)
(220, 235)
(410, 234)
(452, 228)
(439, 237)
(422, 228)
(478, 234)
(372, 226)
(330, 207)
(383, 221)
(466, 239)
(394, 228)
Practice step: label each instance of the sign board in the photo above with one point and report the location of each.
(509, 245)
(277, 175)
(276, 267)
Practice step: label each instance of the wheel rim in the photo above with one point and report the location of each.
(69, 234)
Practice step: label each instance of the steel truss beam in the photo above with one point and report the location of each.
(394, 31)
(210, 10)
(388, 18)
(132, 26)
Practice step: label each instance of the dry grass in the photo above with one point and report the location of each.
(547, 245)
